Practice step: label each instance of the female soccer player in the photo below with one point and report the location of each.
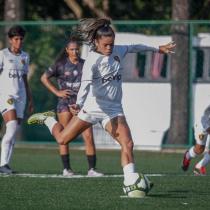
(202, 132)
(100, 94)
(13, 91)
(68, 71)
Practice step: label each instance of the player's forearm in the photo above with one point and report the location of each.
(48, 84)
(141, 48)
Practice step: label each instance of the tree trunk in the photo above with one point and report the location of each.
(14, 10)
(75, 7)
(178, 132)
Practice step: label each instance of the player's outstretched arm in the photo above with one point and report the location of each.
(168, 48)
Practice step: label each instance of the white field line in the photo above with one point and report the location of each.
(79, 176)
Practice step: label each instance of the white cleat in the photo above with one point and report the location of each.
(68, 172)
(93, 173)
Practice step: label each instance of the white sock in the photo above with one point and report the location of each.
(12, 146)
(130, 176)
(129, 168)
(204, 161)
(191, 154)
(50, 122)
(7, 141)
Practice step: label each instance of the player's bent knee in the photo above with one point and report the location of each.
(199, 149)
(128, 145)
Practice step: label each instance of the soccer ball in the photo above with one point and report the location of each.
(140, 188)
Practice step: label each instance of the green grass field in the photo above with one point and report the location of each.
(173, 189)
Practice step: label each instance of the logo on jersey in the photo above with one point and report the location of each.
(116, 77)
(10, 101)
(201, 136)
(14, 75)
(117, 58)
(67, 73)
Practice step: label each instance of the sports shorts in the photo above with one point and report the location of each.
(8, 103)
(63, 103)
(101, 117)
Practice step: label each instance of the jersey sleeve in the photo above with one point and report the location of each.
(135, 48)
(87, 77)
(1, 61)
(52, 71)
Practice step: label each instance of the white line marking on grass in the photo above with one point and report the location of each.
(67, 177)
(30, 175)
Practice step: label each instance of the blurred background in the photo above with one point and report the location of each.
(163, 94)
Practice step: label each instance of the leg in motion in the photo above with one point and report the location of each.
(201, 134)
(135, 185)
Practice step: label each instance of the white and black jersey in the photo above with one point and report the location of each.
(101, 86)
(12, 69)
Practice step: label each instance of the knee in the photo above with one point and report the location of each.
(128, 145)
(199, 149)
(62, 141)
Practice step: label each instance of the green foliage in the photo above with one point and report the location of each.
(43, 43)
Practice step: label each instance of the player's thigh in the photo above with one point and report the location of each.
(64, 117)
(75, 127)
(10, 115)
(119, 129)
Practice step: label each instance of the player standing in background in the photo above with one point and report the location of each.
(14, 91)
(68, 72)
(200, 167)
(100, 95)
(202, 131)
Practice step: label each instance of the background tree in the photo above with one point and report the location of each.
(178, 133)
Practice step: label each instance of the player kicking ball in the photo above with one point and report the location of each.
(99, 98)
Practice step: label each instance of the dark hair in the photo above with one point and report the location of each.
(90, 29)
(63, 54)
(16, 31)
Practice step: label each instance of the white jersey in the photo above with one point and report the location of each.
(12, 69)
(101, 85)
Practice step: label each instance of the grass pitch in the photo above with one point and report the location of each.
(173, 188)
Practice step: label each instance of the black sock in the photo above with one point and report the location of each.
(65, 161)
(91, 161)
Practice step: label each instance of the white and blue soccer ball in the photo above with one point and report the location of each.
(140, 188)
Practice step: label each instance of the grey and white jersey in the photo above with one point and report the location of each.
(101, 85)
(12, 69)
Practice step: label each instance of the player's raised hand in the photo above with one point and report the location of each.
(168, 48)
(74, 108)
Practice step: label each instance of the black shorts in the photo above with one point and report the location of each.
(63, 104)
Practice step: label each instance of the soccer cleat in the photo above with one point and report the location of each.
(200, 171)
(93, 173)
(6, 169)
(185, 162)
(68, 172)
(39, 118)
